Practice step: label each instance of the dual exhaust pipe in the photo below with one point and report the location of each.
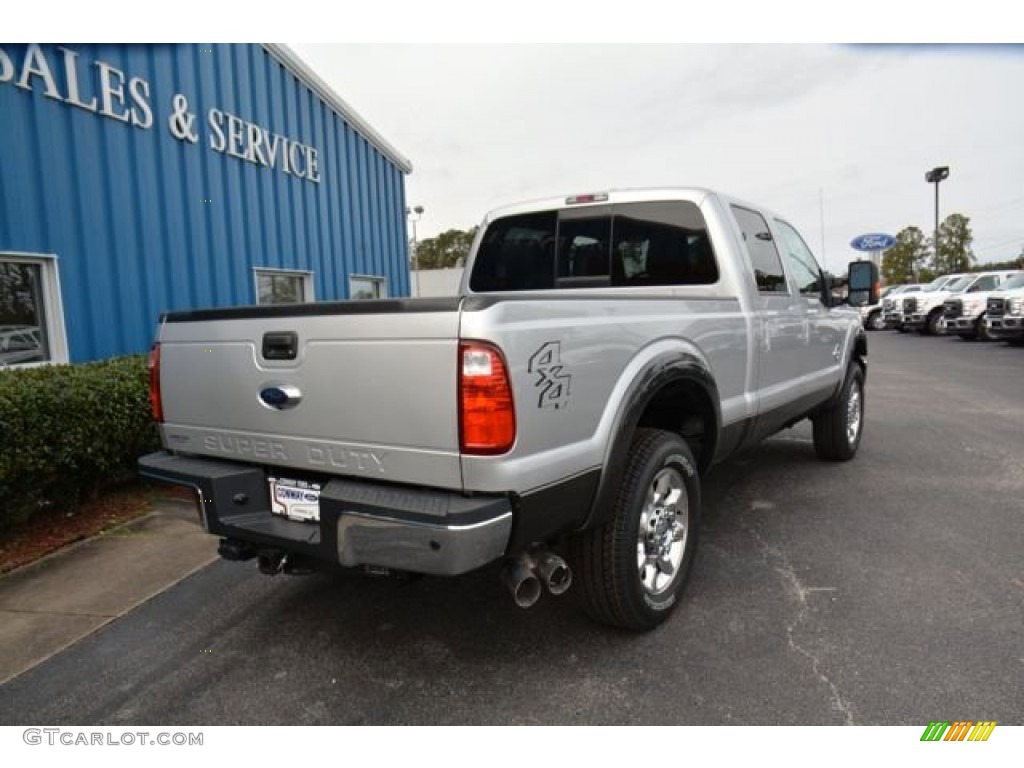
(525, 576)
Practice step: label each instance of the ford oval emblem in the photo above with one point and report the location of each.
(875, 241)
(280, 397)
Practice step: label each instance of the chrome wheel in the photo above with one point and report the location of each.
(661, 537)
(854, 414)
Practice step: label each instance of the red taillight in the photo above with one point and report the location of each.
(154, 384)
(487, 415)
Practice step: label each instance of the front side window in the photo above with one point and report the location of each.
(764, 256)
(958, 285)
(283, 287)
(986, 283)
(23, 314)
(801, 261)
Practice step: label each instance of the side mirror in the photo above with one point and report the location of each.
(863, 281)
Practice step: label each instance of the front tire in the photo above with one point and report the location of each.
(932, 327)
(983, 333)
(876, 321)
(632, 570)
(838, 428)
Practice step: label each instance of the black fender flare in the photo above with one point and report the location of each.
(661, 371)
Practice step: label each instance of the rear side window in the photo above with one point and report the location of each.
(764, 256)
(633, 244)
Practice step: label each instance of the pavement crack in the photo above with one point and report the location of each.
(780, 563)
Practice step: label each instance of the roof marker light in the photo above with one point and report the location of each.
(595, 197)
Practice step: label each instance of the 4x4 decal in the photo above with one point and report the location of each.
(551, 382)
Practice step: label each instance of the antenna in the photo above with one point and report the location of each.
(821, 212)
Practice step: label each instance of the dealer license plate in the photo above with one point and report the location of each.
(295, 499)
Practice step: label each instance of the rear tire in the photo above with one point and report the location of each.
(838, 428)
(631, 570)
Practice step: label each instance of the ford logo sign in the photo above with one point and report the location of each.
(875, 241)
(280, 397)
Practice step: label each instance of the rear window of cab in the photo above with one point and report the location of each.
(629, 244)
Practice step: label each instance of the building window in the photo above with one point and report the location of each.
(279, 286)
(367, 287)
(31, 318)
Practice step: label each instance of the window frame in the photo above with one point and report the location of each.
(53, 305)
(308, 288)
(380, 280)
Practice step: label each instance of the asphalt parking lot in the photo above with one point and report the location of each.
(888, 590)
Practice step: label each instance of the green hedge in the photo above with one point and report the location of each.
(68, 430)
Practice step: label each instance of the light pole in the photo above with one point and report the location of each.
(934, 176)
(414, 215)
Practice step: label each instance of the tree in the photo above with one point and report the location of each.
(1017, 263)
(954, 253)
(448, 249)
(905, 259)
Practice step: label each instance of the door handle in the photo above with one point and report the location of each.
(280, 345)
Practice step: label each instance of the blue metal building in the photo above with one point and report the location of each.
(136, 179)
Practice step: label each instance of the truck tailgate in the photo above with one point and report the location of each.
(372, 385)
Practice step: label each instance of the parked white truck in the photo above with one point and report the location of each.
(964, 314)
(874, 316)
(1004, 312)
(605, 350)
(924, 312)
(894, 307)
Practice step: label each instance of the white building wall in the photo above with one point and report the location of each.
(436, 282)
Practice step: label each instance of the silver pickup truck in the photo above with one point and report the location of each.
(605, 351)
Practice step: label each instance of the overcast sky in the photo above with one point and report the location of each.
(783, 126)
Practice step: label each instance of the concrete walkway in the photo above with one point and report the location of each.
(52, 603)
